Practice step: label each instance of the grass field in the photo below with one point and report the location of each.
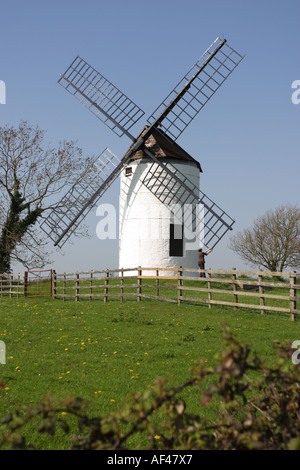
(103, 352)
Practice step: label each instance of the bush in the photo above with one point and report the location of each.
(258, 408)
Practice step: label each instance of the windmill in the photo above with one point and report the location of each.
(153, 166)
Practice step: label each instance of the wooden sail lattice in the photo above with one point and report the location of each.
(120, 113)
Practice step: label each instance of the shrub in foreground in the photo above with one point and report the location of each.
(258, 408)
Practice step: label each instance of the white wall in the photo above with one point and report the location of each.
(144, 222)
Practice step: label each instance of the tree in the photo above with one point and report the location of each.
(273, 242)
(31, 174)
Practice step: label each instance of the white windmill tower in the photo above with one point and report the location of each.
(150, 232)
(161, 205)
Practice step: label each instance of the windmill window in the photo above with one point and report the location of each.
(128, 171)
(176, 240)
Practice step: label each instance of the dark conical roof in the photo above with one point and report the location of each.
(162, 146)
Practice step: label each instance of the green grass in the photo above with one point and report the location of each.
(103, 352)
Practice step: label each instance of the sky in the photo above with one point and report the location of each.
(246, 138)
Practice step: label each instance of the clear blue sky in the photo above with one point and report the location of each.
(246, 138)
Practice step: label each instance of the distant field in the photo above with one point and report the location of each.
(102, 352)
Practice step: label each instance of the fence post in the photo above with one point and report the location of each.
(64, 286)
(91, 285)
(18, 284)
(157, 282)
(53, 284)
(235, 296)
(179, 285)
(293, 293)
(25, 283)
(77, 288)
(139, 284)
(261, 294)
(209, 288)
(11, 282)
(122, 284)
(106, 286)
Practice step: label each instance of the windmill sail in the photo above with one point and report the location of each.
(119, 113)
(195, 89)
(163, 179)
(68, 214)
(172, 188)
(101, 97)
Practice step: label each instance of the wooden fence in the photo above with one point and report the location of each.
(260, 290)
(12, 285)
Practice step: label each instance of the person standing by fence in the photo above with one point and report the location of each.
(201, 260)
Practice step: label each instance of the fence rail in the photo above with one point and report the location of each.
(12, 285)
(260, 290)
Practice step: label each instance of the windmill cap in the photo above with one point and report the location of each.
(163, 146)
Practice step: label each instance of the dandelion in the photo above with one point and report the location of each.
(156, 437)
